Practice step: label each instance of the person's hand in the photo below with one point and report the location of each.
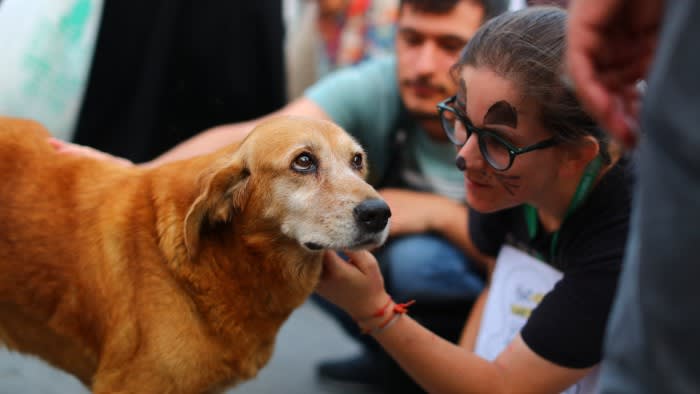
(410, 212)
(610, 46)
(86, 151)
(355, 285)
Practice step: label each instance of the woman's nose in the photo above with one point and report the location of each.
(469, 153)
(461, 163)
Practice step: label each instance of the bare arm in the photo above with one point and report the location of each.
(436, 364)
(205, 142)
(442, 367)
(216, 137)
(471, 329)
(451, 219)
(417, 212)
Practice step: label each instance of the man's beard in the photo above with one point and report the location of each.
(430, 122)
(423, 116)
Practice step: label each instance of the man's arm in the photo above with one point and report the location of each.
(418, 212)
(205, 142)
(217, 137)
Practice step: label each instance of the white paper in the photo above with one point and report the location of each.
(519, 283)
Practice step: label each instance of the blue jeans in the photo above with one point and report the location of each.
(428, 268)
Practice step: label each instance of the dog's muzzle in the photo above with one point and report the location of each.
(372, 215)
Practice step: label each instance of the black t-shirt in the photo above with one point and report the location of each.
(165, 70)
(568, 325)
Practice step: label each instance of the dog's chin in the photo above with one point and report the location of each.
(369, 243)
(313, 246)
(366, 242)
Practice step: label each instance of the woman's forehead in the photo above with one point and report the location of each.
(498, 99)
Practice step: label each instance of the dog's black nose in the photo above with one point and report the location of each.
(372, 215)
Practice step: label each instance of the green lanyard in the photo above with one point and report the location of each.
(584, 187)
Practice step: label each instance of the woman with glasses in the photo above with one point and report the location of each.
(539, 176)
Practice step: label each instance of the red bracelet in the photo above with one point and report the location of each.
(403, 308)
(384, 325)
(378, 313)
(398, 310)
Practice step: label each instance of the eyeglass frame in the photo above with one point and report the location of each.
(513, 151)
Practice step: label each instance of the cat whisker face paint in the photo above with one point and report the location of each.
(509, 182)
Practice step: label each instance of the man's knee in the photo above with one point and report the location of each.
(425, 266)
(417, 251)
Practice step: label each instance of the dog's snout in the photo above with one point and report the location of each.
(372, 215)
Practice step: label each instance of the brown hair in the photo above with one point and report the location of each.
(491, 7)
(527, 47)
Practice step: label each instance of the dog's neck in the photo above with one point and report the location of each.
(251, 285)
(275, 273)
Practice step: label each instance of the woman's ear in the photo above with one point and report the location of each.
(578, 156)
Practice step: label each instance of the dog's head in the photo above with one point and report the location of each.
(300, 177)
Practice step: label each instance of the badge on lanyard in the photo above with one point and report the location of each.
(518, 284)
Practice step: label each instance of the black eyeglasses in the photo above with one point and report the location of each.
(498, 152)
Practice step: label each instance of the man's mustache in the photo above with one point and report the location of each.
(424, 84)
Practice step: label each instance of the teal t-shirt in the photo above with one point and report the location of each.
(365, 101)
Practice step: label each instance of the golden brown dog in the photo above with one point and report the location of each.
(174, 279)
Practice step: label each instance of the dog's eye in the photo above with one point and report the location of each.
(357, 161)
(304, 163)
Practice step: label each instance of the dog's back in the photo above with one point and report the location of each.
(77, 238)
(43, 218)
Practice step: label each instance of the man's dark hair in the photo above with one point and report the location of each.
(491, 7)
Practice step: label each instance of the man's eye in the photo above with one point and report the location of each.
(452, 45)
(411, 38)
(357, 161)
(305, 162)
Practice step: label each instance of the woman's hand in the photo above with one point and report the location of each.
(86, 151)
(355, 285)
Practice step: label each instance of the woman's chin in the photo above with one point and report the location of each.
(480, 206)
(483, 205)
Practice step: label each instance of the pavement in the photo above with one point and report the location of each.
(308, 337)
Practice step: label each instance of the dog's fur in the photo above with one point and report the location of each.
(174, 279)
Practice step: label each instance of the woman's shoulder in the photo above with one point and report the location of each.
(596, 235)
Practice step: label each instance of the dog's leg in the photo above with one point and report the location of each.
(133, 380)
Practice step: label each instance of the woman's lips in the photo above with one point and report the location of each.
(474, 184)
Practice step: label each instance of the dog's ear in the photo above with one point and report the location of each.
(223, 193)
